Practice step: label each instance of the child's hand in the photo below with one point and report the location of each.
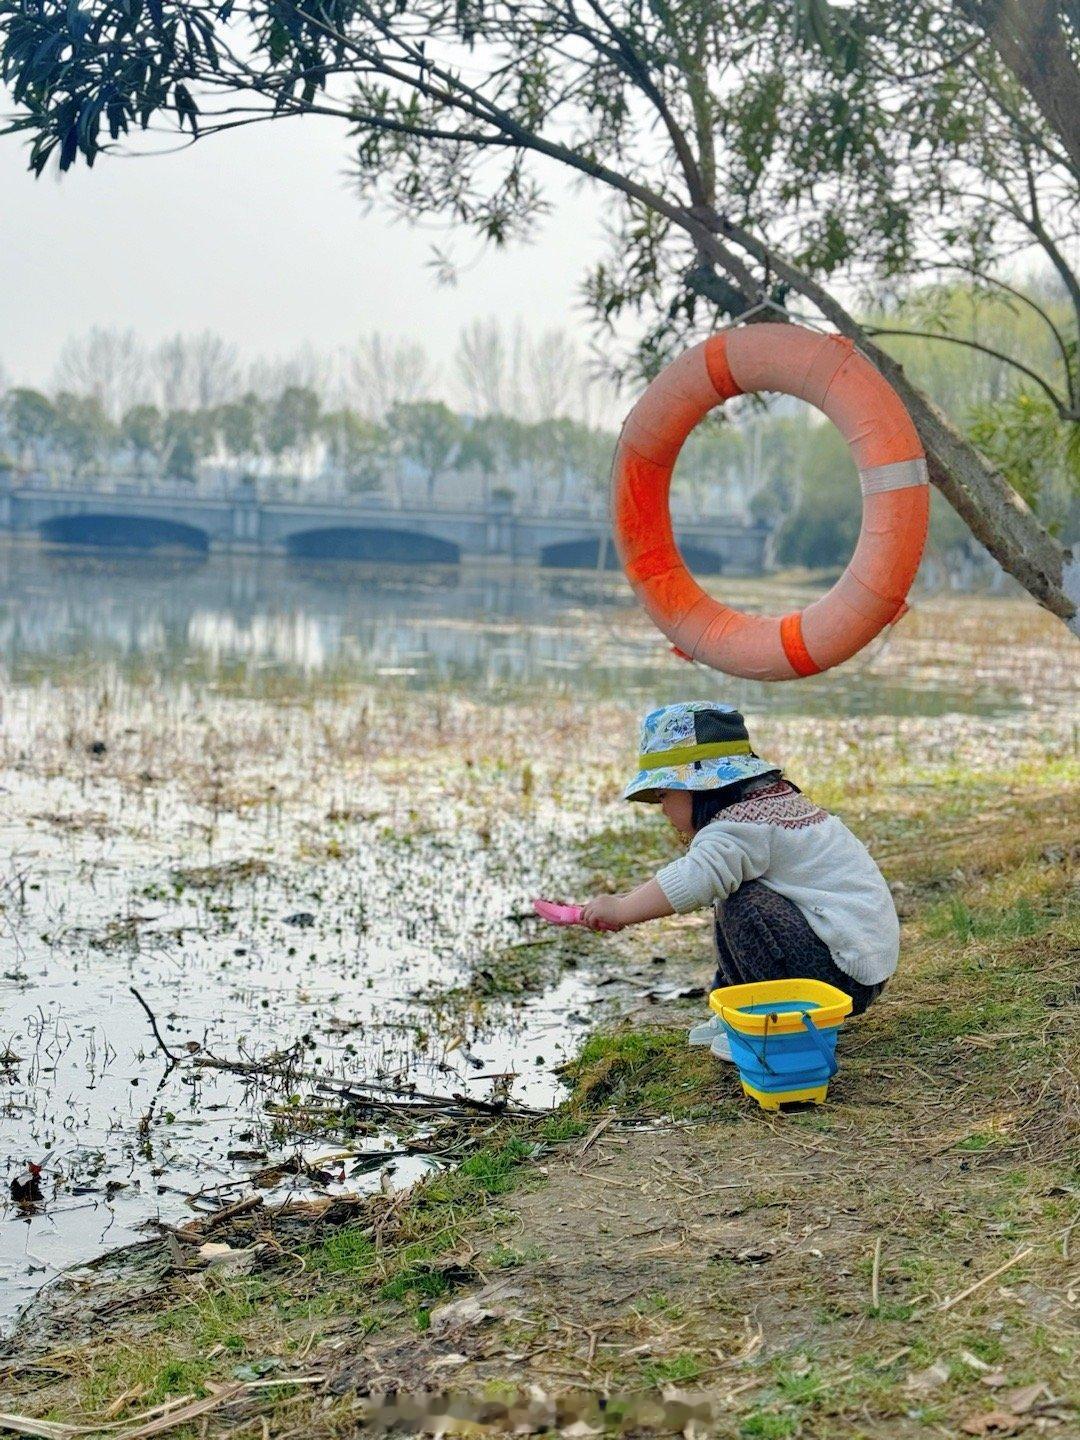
(603, 913)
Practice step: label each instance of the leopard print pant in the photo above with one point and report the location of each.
(761, 935)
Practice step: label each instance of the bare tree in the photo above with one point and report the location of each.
(490, 364)
(305, 369)
(382, 372)
(106, 365)
(195, 372)
(555, 375)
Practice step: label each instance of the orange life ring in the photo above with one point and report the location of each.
(829, 372)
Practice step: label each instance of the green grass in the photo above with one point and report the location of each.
(346, 1252)
(956, 919)
(623, 854)
(677, 1369)
(768, 1425)
(510, 1257)
(158, 1378)
(493, 1172)
(650, 1071)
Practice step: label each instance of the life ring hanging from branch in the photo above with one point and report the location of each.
(829, 373)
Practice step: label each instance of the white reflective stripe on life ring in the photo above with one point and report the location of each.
(897, 476)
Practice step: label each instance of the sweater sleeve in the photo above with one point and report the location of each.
(720, 859)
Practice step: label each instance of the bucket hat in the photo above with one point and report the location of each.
(694, 745)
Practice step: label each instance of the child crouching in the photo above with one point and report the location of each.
(794, 893)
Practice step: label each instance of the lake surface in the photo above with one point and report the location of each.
(238, 786)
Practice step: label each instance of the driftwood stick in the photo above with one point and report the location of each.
(173, 1059)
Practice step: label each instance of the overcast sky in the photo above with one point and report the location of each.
(258, 236)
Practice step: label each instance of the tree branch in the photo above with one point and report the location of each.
(1062, 408)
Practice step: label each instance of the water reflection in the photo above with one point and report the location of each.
(240, 619)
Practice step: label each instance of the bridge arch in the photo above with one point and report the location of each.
(585, 555)
(355, 542)
(124, 532)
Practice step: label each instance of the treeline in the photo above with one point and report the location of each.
(532, 420)
(365, 419)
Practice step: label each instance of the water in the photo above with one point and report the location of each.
(302, 808)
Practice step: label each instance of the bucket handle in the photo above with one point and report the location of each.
(812, 1030)
(759, 1055)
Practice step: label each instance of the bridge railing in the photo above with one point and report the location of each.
(268, 490)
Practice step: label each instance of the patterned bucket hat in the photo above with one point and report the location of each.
(695, 745)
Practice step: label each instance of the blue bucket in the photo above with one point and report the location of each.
(783, 1037)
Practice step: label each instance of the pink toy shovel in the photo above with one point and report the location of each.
(560, 914)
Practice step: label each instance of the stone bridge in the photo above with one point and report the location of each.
(365, 527)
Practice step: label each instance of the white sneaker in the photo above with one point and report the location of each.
(706, 1032)
(721, 1047)
(713, 1034)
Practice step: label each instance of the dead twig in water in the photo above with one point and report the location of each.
(398, 1098)
(173, 1059)
(230, 1212)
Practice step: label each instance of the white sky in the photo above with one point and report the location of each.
(258, 236)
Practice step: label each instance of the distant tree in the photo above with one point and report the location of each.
(185, 441)
(238, 428)
(488, 364)
(568, 455)
(478, 455)
(108, 365)
(708, 458)
(142, 430)
(195, 372)
(355, 448)
(501, 371)
(292, 423)
(556, 376)
(428, 435)
(383, 372)
(30, 420)
(82, 432)
(498, 446)
(305, 369)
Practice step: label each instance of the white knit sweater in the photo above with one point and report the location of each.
(794, 847)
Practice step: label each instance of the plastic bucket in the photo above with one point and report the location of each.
(783, 1037)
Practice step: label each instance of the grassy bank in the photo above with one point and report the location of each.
(900, 1262)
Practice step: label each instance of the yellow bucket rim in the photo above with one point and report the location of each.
(826, 1004)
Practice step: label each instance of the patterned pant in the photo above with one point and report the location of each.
(761, 935)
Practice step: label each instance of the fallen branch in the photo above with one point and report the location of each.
(955, 1300)
(398, 1098)
(230, 1212)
